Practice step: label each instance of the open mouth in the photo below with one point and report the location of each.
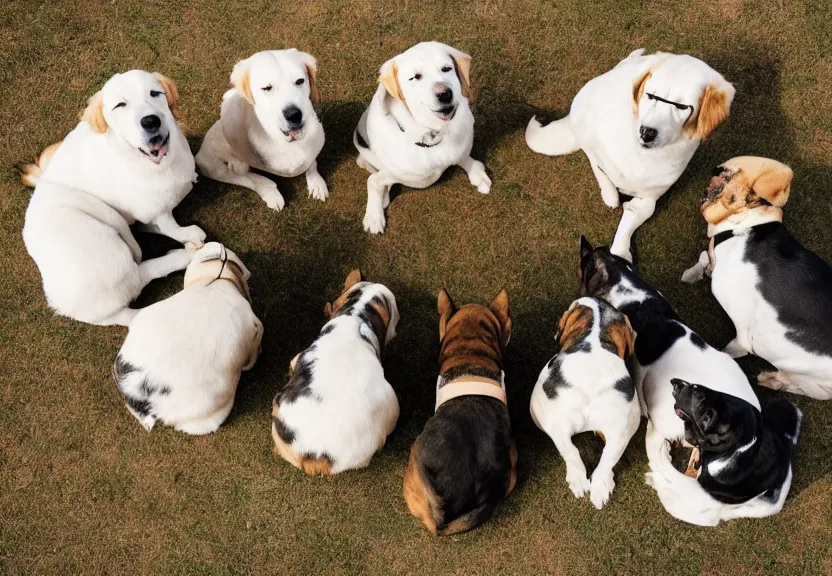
(156, 150)
(293, 134)
(446, 113)
(684, 416)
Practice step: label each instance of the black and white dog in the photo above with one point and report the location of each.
(667, 351)
(777, 293)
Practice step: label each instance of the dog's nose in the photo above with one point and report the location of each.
(678, 385)
(648, 134)
(443, 93)
(151, 122)
(293, 115)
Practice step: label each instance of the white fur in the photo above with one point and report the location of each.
(352, 408)
(589, 403)
(258, 136)
(602, 124)
(394, 157)
(195, 345)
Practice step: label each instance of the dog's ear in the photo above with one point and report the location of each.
(446, 308)
(714, 107)
(639, 83)
(389, 78)
(171, 93)
(353, 278)
(312, 71)
(586, 248)
(501, 309)
(631, 338)
(93, 114)
(774, 182)
(564, 321)
(328, 310)
(462, 64)
(241, 81)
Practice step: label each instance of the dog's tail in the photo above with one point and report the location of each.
(30, 173)
(551, 138)
(420, 496)
(784, 419)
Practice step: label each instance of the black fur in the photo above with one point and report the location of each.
(555, 380)
(583, 346)
(140, 404)
(796, 282)
(284, 432)
(625, 386)
(298, 384)
(361, 140)
(698, 341)
(327, 329)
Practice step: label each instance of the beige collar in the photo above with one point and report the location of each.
(208, 272)
(470, 386)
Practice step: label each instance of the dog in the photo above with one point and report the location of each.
(639, 125)
(667, 350)
(777, 293)
(182, 358)
(464, 462)
(417, 126)
(587, 386)
(337, 409)
(268, 122)
(129, 152)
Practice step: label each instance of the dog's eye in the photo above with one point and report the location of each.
(299, 82)
(155, 93)
(267, 88)
(120, 105)
(446, 68)
(417, 76)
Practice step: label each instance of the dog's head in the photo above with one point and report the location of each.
(431, 78)
(139, 107)
(680, 97)
(214, 261)
(616, 334)
(743, 184)
(282, 87)
(714, 421)
(600, 270)
(374, 303)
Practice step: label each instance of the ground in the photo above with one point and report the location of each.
(84, 489)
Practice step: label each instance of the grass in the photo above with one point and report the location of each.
(84, 490)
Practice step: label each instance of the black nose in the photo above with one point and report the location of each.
(648, 134)
(446, 96)
(151, 122)
(293, 115)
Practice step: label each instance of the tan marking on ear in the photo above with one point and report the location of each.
(29, 173)
(93, 114)
(693, 463)
(353, 278)
(714, 108)
(312, 72)
(618, 338)
(445, 307)
(328, 310)
(748, 179)
(462, 64)
(574, 326)
(171, 93)
(384, 314)
(241, 81)
(419, 496)
(772, 179)
(390, 80)
(502, 310)
(638, 89)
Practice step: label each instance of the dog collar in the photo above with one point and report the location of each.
(722, 237)
(429, 138)
(470, 386)
(218, 270)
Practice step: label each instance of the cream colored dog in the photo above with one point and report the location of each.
(267, 122)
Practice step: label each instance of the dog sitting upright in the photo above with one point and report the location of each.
(181, 360)
(777, 293)
(337, 409)
(667, 351)
(587, 386)
(464, 462)
(267, 121)
(639, 125)
(417, 126)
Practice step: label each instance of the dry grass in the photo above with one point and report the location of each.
(83, 489)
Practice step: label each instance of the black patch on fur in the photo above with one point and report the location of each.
(164, 391)
(698, 341)
(796, 282)
(299, 382)
(122, 368)
(284, 432)
(583, 346)
(327, 329)
(140, 406)
(556, 379)
(625, 386)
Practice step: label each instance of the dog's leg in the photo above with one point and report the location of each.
(603, 480)
(736, 350)
(160, 267)
(166, 225)
(796, 384)
(636, 213)
(476, 174)
(609, 192)
(315, 183)
(365, 164)
(697, 272)
(378, 190)
(575, 469)
(238, 173)
(121, 318)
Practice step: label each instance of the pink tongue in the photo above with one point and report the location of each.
(156, 154)
(293, 134)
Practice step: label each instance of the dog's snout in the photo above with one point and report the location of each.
(678, 385)
(648, 134)
(293, 115)
(443, 93)
(151, 122)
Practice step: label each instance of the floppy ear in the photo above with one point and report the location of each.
(586, 248)
(462, 63)
(312, 71)
(631, 338)
(639, 83)
(389, 78)
(774, 183)
(171, 93)
(714, 107)
(353, 278)
(240, 80)
(446, 308)
(564, 319)
(500, 307)
(328, 310)
(93, 114)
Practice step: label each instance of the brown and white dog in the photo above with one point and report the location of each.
(777, 293)
(464, 462)
(337, 409)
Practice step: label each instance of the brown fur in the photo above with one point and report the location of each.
(462, 64)
(638, 89)
(390, 80)
(171, 93)
(353, 278)
(464, 341)
(312, 72)
(744, 182)
(575, 325)
(29, 173)
(311, 466)
(714, 108)
(241, 81)
(93, 114)
(421, 500)
(600, 435)
(619, 338)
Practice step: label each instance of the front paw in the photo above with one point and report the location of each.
(693, 274)
(479, 178)
(578, 482)
(601, 489)
(193, 236)
(609, 194)
(317, 187)
(374, 220)
(273, 198)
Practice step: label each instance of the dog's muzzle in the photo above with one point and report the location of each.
(446, 113)
(156, 147)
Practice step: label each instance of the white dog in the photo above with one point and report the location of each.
(417, 126)
(129, 152)
(182, 358)
(587, 387)
(639, 125)
(337, 409)
(267, 122)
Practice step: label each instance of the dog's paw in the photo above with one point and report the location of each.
(693, 274)
(194, 178)
(609, 194)
(273, 198)
(773, 379)
(578, 483)
(317, 187)
(601, 488)
(193, 236)
(479, 178)
(374, 221)
(735, 350)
